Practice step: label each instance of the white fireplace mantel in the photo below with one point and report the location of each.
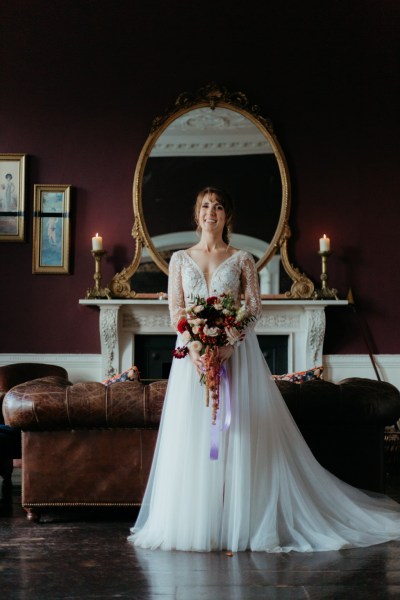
(303, 321)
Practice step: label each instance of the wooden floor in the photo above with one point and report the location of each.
(86, 556)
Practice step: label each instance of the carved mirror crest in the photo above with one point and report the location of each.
(213, 137)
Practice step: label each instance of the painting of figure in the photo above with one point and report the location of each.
(51, 229)
(11, 197)
(51, 232)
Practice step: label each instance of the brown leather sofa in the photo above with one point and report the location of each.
(89, 445)
(10, 376)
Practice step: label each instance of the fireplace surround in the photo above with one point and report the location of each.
(302, 321)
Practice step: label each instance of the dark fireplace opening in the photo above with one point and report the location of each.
(275, 351)
(153, 354)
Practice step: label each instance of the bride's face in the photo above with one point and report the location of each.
(212, 215)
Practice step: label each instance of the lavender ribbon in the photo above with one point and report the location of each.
(217, 427)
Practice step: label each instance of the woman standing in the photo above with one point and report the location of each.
(266, 491)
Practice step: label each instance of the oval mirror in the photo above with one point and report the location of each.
(219, 139)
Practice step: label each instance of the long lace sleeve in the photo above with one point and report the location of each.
(176, 299)
(250, 289)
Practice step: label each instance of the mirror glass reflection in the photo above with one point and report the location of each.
(222, 148)
(219, 147)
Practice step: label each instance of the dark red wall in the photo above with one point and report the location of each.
(82, 80)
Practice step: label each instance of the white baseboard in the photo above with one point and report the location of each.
(342, 366)
(88, 367)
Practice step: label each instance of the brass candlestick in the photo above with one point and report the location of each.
(97, 291)
(325, 293)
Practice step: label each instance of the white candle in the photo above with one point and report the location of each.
(97, 242)
(324, 244)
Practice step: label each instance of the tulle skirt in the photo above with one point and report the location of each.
(266, 492)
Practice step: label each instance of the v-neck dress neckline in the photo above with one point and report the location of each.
(208, 283)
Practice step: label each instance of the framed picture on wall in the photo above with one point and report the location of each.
(51, 229)
(12, 197)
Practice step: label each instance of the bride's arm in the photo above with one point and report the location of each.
(176, 299)
(176, 303)
(251, 292)
(252, 300)
(251, 288)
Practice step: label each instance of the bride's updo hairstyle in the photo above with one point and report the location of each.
(223, 198)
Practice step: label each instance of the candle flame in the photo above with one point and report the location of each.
(97, 235)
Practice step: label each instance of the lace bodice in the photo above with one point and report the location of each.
(236, 275)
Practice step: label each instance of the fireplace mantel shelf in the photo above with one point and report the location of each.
(303, 321)
(122, 302)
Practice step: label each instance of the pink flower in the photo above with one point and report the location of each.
(196, 322)
(233, 335)
(211, 331)
(186, 336)
(195, 345)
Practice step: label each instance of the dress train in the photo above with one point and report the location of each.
(266, 492)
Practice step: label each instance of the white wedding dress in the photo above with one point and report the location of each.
(266, 491)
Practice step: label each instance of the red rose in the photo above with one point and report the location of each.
(182, 325)
(212, 300)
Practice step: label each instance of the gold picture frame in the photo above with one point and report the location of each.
(12, 197)
(51, 229)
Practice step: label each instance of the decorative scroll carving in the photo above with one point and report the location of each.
(315, 336)
(212, 94)
(109, 339)
(302, 286)
(120, 285)
(278, 321)
(148, 323)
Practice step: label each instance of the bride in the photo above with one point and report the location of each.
(266, 491)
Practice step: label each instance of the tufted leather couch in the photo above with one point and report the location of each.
(10, 376)
(88, 445)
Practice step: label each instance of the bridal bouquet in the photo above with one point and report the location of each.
(206, 325)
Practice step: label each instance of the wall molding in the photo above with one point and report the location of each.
(88, 367)
(80, 367)
(341, 366)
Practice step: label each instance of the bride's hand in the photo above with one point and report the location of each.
(196, 360)
(225, 352)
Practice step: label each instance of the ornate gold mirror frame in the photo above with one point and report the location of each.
(211, 96)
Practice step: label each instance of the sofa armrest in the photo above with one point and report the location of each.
(355, 402)
(2, 396)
